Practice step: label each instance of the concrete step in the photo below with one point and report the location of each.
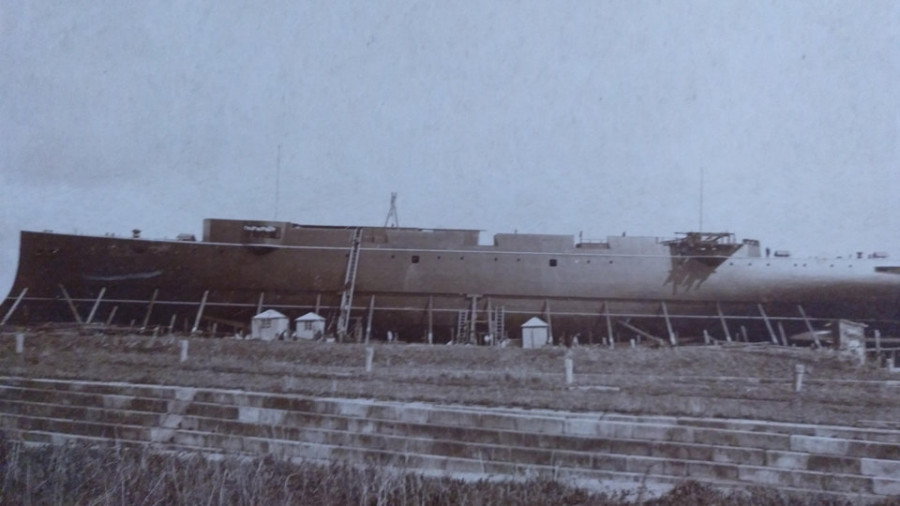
(840, 460)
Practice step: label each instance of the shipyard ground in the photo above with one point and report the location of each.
(739, 381)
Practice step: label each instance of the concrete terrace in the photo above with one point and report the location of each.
(595, 450)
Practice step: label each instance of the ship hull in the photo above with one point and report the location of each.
(414, 291)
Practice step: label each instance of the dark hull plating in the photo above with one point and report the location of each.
(411, 288)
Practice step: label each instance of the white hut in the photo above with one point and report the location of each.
(309, 326)
(269, 325)
(534, 333)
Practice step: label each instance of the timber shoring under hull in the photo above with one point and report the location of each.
(415, 286)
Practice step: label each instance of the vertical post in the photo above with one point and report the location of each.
(877, 343)
(172, 324)
(549, 321)
(14, 306)
(490, 319)
(570, 373)
(184, 350)
(200, 312)
(744, 334)
(112, 314)
(20, 343)
(724, 323)
(318, 303)
(150, 308)
(369, 319)
(259, 305)
(71, 304)
(472, 321)
(430, 320)
(370, 354)
(96, 305)
(799, 371)
(672, 340)
(809, 326)
(768, 324)
(706, 337)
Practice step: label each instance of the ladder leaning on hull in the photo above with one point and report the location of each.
(349, 285)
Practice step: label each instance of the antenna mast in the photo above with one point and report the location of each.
(277, 177)
(392, 214)
(701, 200)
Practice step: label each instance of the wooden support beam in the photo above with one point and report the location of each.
(259, 305)
(369, 319)
(112, 314)
(96, 305)
(809, 326)
(768, 324)
(609, 325)
(150, 308)
(14, 306)
(784, 340)
(318, 303)
(672, 339)
(430, 320)
(490, 318)
(549, 321)
(472, 319)
(71, 304)
(172, 324)
(724, 323)
(641, 332)
(200, 313)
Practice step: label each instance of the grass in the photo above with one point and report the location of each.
(83, 474)
(730, 382)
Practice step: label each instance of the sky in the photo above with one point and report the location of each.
(775, 120)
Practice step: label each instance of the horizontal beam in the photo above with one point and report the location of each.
(418, 309)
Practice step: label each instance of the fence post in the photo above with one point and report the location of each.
(370, 354)
(799, 372)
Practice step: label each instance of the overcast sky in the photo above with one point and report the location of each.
(537, 116)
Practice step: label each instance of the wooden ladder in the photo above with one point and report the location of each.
(462, 326)
(349, 285)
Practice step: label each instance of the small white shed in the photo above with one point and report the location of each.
(534, 333)
(309, 326)
(269, 325)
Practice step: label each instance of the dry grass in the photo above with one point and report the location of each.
(80, 474)
(736, 382)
